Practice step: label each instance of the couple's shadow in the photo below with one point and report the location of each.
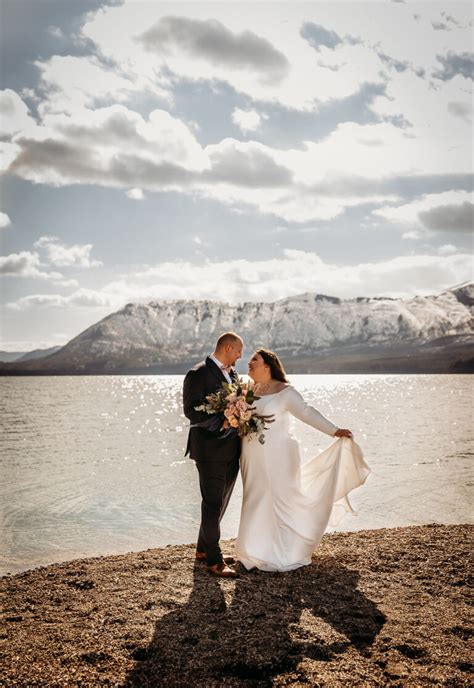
(257, 627)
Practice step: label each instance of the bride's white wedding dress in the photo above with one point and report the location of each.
(287, 505)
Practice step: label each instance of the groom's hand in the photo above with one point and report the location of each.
(343, 432)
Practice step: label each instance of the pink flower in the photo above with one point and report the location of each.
(230, 410)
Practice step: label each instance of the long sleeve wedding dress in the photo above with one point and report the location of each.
(287, 505)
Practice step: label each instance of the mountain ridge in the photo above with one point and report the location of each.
(169, 334)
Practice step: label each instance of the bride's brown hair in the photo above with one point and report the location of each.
(276, 367)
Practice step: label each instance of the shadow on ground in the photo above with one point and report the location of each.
(257, 627)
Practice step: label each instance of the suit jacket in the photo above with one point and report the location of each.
(205, 378)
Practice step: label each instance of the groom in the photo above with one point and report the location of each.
(216, 457)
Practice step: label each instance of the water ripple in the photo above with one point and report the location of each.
(95, 465)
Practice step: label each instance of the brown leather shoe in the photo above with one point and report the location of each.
(222, 570)
(201, 556)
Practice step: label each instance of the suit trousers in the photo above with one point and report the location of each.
(216, 481)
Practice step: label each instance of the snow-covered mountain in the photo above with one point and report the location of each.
(170, 335)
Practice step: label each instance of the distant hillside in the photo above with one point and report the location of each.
(39, 353)
(11, 355)
(313, 333)
(6, 356)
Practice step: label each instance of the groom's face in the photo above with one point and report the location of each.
(234, 352)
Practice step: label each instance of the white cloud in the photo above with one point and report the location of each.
(76, 255)
(45, 241)
(37, 301)
(116, 146)
(212, 42)
(413, 235)
(453, 217)
(446, 249)
(245, 164)
(265, 58)
(433, 121)
(294, 272)
(82, 298)
(27, 264)
(247, 120)
(29, 94)
(374, 151)
(199, 42)
(112, 146)
(448, 211)
(136, 194)
(4, 220)
(24, 263)
(70, 83)
(56, 31)
(14, 114)
(8, 153)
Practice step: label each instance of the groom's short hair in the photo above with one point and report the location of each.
(227, 338)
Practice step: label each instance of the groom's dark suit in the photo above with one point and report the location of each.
(216, 457)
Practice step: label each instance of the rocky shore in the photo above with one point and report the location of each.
(375, 608)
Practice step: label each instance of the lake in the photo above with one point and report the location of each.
(94, 465)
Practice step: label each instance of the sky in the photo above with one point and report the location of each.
(229, 151)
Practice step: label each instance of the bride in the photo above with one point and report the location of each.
(287, 506)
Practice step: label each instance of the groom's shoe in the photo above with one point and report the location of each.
(201, 556)
(222, 570)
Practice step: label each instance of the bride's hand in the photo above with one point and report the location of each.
(343, 432)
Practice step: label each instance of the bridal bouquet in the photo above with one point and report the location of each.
(233, 411)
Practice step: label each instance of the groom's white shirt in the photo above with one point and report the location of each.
(220, 364)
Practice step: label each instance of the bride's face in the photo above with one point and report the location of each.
(257, 367)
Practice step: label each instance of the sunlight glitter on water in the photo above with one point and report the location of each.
(95, 465)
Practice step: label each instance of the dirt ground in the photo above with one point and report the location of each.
(384, 607)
